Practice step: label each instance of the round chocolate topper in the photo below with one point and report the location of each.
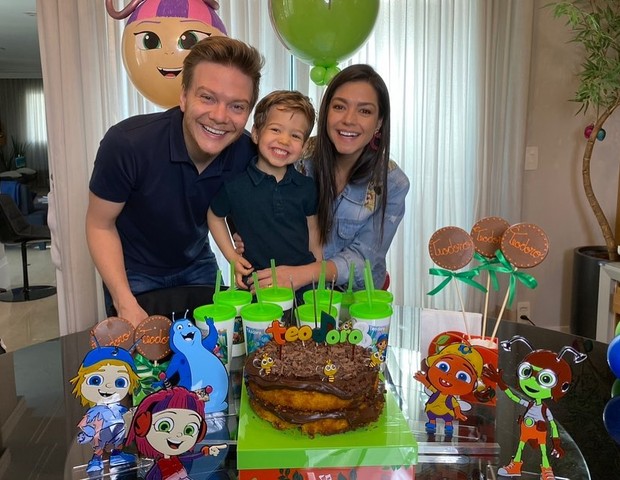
(152, 337)
(487, 235)
(525, 245)
(451, 248)
(113, 331)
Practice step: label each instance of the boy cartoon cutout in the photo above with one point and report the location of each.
(107, 375)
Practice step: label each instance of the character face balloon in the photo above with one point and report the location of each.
(156, 40)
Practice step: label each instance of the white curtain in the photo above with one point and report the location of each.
(457, 71)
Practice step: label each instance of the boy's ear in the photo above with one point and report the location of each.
(255, 135)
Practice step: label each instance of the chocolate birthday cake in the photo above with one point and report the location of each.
(316, 387)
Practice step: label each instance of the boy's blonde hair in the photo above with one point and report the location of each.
(287, 100)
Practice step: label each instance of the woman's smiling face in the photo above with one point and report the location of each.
(353, 118)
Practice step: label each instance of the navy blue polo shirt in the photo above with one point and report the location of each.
(271, 217)
(143, 162)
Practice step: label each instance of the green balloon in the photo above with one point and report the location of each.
(317, 75)
(330, 73)
(323, 32)
(618, 329)
(615, 388)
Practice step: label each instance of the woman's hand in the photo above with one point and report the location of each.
(239, 247)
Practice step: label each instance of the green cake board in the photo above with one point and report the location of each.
(389, 442)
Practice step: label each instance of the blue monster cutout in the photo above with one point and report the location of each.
(195, 364)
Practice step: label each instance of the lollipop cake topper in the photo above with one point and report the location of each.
(487, 234)
(525, 245)
(487, 237)
(451, 248)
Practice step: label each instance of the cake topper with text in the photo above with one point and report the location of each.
(542, 375)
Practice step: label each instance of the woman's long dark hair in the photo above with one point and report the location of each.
(372, 165)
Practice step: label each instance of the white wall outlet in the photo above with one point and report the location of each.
(523, 310)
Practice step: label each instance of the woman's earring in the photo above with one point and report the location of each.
(374, 141)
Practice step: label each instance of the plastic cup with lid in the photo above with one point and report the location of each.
(256, 318)
(224, 320)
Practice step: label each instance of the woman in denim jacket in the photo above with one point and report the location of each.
(361, 191)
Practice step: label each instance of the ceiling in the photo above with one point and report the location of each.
(19, 42)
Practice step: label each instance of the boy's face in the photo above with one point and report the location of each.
(109, 384)
(281, 140)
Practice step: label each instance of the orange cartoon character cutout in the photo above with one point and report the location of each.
(450, 374)
(158, 36)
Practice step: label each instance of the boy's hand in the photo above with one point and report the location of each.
(243, 269)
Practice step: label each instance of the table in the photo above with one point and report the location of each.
(38, 413)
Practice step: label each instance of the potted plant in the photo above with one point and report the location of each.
(596, 27)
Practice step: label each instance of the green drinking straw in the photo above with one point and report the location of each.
(368, 284)
(321, 286)
(218, 283)
(233, 282)
(274, 277)
(351, 278)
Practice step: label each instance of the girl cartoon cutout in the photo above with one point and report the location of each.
(452, 372)
(107, 375)
(157, 38)
(542, 375)
(166, 427)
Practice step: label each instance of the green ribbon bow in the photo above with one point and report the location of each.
(148, 373)
(465, 277)
(485, 264)
(504, 266)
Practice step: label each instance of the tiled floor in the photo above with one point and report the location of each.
(26, 323)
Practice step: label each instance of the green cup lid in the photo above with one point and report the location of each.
(261, 313)
(218, 312)
(233, 297)
(323, 296)
(276, 294)
(367, 311)
(378, 295)
(306, 312)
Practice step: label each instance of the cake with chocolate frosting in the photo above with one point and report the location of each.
(318, 388)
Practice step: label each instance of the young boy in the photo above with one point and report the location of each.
(272, 206)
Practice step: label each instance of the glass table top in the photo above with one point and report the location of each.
(39, 414)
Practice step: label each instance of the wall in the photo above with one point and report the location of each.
(553, 195)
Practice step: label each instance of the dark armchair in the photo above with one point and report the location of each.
(15, 229)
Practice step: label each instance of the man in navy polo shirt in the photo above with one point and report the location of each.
(155, 175)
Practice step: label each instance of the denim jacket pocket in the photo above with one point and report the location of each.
(348, 228)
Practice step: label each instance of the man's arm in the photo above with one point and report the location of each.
(107, 253)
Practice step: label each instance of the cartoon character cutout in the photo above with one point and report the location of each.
(451, 373)
(542, 375)
(195, 366)
(107, 375)
(166, 427)
(158, 37)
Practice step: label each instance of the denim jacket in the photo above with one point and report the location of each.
(356, 234)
